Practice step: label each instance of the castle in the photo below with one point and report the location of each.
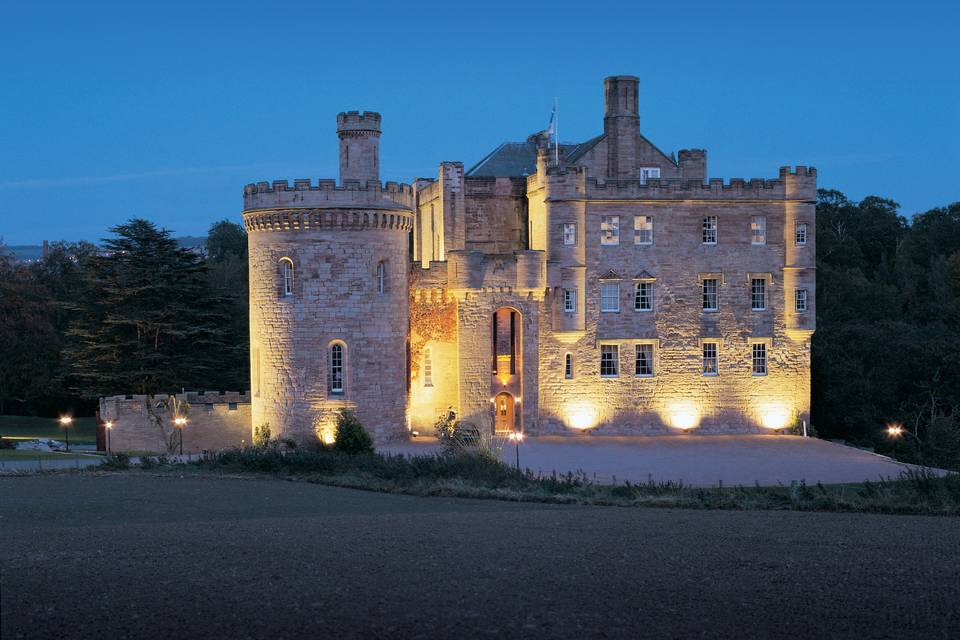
(552, 288)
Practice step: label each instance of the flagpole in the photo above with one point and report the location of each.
(556, 133)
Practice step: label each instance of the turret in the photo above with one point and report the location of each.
(359, 135)
(621, 124)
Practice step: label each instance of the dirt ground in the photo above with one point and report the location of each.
(135, 556)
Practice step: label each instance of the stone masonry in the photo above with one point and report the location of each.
(498, 291)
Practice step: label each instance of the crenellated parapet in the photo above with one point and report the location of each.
(358, 123)
(797, 183)
(327, 219)
(327, 194)
(521, 271)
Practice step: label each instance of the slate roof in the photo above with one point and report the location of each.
(513, 159)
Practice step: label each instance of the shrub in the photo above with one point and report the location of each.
(351, 437)
(147, 462)
(7, 444)
(261, 435)
(116, 461)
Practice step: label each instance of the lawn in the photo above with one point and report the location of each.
(83, 430)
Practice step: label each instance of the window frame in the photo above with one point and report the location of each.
(381, 277)
(637, 231)
(716, 294)
(568, 366)
(616, 287)
(609, 230)
(639, 348)
(570, 300)
(704, 358)
(797, 241)
(337, 347)
(572, 228)
(797, 294)
(638, 297)
(287, 277)
(710, 224)
(614, 361)
(758, 230)
(756, 294)
(647, 173)
(759, 353)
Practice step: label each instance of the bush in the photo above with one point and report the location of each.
(261, 435)
(7, 444)
(116, 461)
(351, 437)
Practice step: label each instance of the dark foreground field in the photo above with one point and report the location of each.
(164, 557)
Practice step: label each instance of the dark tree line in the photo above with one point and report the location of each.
(136, 315)
(141, 315)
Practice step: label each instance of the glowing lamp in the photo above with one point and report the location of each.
(65, 421)
(328, 438)
(775, 419)
(515, 436)
(180, 422)
(684, 419)
(894, 430)
(108, 424)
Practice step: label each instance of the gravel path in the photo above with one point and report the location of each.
(149, 557)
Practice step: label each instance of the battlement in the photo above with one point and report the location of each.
(190, 397)
(793, 183)
(327, 195)
(366, 121)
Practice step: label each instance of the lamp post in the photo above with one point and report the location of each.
(109, 427)
(65, 422)
(180, 423)
(516, 437)
(896, 430)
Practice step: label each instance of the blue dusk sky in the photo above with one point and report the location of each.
(165, 110)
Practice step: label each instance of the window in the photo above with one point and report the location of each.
(649, 172)
(710, 230)
(231, 406)
(570, 300)
(569, 233)
(609, 361)
(336, 368)
(286, 270)
(759, 359)
(209, 407)
(710, 359)
(800, 300)
(800, 234)
(644, 363)
(758, 294)
(643, 300)
(427, 368)
(610, 297)
(568, 366)
(381, 277)
(610, 230)
(711, 300)
(642, 229)
(758, 229)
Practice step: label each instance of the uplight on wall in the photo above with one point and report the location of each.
(581, 416)
(684, 415)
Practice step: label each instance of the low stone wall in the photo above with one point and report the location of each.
(215, 420)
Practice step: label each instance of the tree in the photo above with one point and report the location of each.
(147, 321)
(227, 278)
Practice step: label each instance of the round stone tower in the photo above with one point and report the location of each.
(329, 294)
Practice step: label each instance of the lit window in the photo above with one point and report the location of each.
(758, 229)
(427, 369)
(610, 230)
(644, 363)
(800, 300)
(569, 233)
(609, 361)
(286, 270)
(610, 297)
(800, 234)
(336, 369)
(643, 300)
(568, 366)
(758, 294)
(649, 172)
(710, 296)
(710, 359)
(381, 277)
(570, 300)
(759, 359)
(642, 229)
(710, 230)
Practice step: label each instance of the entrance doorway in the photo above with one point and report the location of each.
(504, 420)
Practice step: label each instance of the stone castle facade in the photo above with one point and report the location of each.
(551, 288)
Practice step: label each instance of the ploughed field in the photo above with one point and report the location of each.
(87, 555)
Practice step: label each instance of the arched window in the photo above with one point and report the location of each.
(427, 369)
(568, 366)
(286, 273)
(381, 277)
(337, 368)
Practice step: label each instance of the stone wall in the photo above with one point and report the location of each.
(214, 421)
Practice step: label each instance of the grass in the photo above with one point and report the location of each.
(20, 454)
(472, 476)
(83, 431)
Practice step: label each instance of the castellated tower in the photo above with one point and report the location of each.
(329, 294)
